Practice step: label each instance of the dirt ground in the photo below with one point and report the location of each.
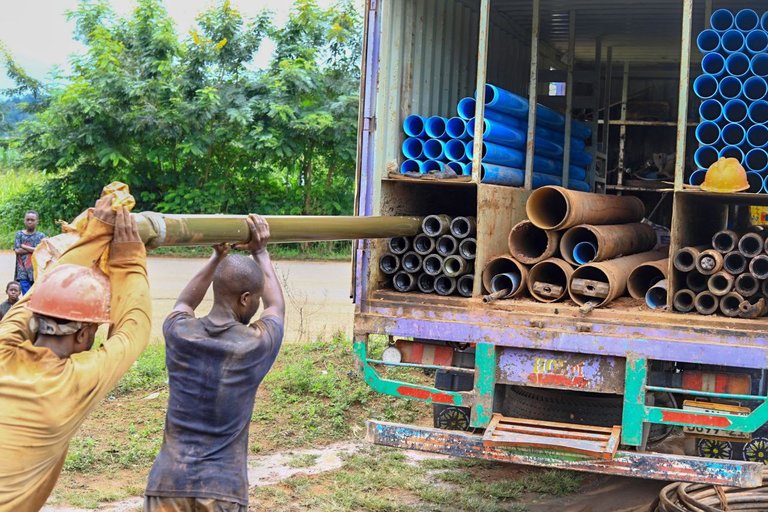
(317, 293)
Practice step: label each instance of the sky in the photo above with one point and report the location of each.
(39, 36)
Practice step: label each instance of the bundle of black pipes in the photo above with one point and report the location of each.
(729, 276)
(439, 260)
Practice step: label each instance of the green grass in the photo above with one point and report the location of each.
(303, 460)
(326, 251)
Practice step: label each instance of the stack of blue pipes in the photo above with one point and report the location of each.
(734, 92)
(436, 144)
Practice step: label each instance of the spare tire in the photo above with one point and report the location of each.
(602, 410)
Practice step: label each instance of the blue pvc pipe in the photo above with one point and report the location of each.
(735, 111)
(705, 86)
(721, 20)
(705, 156)
(708, 133)
(733, 134)
(456, 128)
(434, 149)
(413, 126)
(456, 167)
(465, 108)
(548, 148)
(513, 177)
(746, 20)
(584, 252)
(708, 41)
(656, 296)
(467, 169)
(732, 152)
(755, 88)
(697, 177)
(508, 280)
(431, 165)
(581, 158)
(757, 41)
(737, 64)
(435, 127)
(730, 87)
(756, 160)
(755, 181)
(413, 148)
(711, 110)
(500, 134)
(759, 65)
(765, 184)
(498, 154)
(732, 41)
(454, 150)
(758, 112)
(757, 136)
(713, 64)
(764, 21)
(410, 166)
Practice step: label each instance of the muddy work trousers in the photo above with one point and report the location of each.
(168, 504)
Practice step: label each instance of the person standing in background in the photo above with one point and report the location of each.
(26, 241)
(13, 291)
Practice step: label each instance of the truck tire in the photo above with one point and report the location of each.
(563, 406)
(451, 417)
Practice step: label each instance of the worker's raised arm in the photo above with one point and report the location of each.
(272, 296)
(192, 294)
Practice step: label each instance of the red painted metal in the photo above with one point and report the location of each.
(730, 383)
(423, 394)
(704, 420)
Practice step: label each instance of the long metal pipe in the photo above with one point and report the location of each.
(720, 284)
(706, 303)
(548, 280)
(758, 267)
(746, 285)
(158, 230)
(696, 281)
(685, 258)
(455, 266)
(554, 207)
(725, 240)
(445, 285)
(751, 244)
(644, 276)
(504, 272)
(683, 301)
(465, 284)
(709, 262)
(734, 262)
(729, 304)
(530, 244)
(604, 281)
(609, 241)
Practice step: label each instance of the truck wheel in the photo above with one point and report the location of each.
(563, 406)
(452, 418)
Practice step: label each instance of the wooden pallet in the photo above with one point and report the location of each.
(598, 442)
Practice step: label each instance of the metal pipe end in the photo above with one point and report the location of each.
(706, 303)
(399, 245)
(404, 282)
(720, 283)
(729, 304)
(685, 259)
(725, 241)
(530, 244)
(389, 264)
(436, 225)
(423, 244)
(411, 262)
(465, 285)
(432, 264)
(468, 248)
(445, 285)
(426, 283)
(447, 245)
(462, 227)
(683, 301)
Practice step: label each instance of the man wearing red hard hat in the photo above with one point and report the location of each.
(50, 379)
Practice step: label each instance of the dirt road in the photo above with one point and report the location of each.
(316, 293)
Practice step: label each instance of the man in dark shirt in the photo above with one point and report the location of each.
(24, 245)
(215, 365)
(13, 291)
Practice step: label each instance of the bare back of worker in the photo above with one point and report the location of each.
(215, 365)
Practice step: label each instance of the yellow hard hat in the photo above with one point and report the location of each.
(725, 175)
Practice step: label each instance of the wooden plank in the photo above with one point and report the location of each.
(554, 424)
(625, 463)
(584, 436)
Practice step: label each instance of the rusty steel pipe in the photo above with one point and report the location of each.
(423, 244)
(399, 245)
(729, 304)
(504, 272)
(548, 280)
(426, 283)
(445, 285)
(644, 276)
(610, 241)
(755, 309)
(696, 281)
(447, 245)
(734, 262)
(436, 225)
(432, 264)
(751, 244)
(404, 282)
(389, 264)
(706, 303)
(746, 285)
(160, 230)
(455, 266)
(468, 248)
(411, 262)
(683, 301)
(462, 227)
(465, 284)
(529, 244)
(610, 275)
(554, 207)
(709, 262)
(720, 283)
(725, 241)
(758, 267)
(685, 258)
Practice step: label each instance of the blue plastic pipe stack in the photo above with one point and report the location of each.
(436, 143)
(733, 87)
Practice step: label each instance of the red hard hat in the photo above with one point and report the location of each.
(72, 292)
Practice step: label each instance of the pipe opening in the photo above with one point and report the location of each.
(755, 182)
(445, 285)
(490, 94)
(685, 259)
(759, 267)
(431, 165)
(757, 41)
(719, 283)
(435, 127)
(528, 242)
(758, 112)
(552, 280)
(413, 148)
(389, 264)
(455, 150)
(735, 111)
(764, 288)
(506, 281)
(759, 64)
(697, 177)
(737, 64)
(729, 87)
(461, 227)
(403, 282)
(465, 285)
(468, 248)
(432, 264)
(456, 127)
(734, 262)
(705, 86)
(584, 252)
(711, 110)
(708, 40)
(721, 20)
(423, 244)
(733, 134)
(656, 297)
(399, 245)
(713, 64)
(446, 245)
(732, 41)
(466, 108)
(547, 208)
(642, 279)
(433, 149)
(696, 281)
(683, 301)
(757, 136)
(751, 245)
(755, 88)
(746, 285)
(434, 225)
(503, 266)
(746, 20)
(730, 304)
(725, 241)
(453, 266)
(706, 303)
(590, 291)
(412, 262)
(426, 283)
(757, 158)
(410, 166)
(708, 132)
(705, 156)
(732, 152)
(413, 126)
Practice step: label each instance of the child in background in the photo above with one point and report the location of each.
(26, 241)
(13, 291)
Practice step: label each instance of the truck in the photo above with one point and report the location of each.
(554, 384)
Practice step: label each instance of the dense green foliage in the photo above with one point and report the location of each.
(188, 123)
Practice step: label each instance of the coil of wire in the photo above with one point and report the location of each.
(688, 497)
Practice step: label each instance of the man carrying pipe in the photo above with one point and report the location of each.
(215, 365)
(50, 379)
